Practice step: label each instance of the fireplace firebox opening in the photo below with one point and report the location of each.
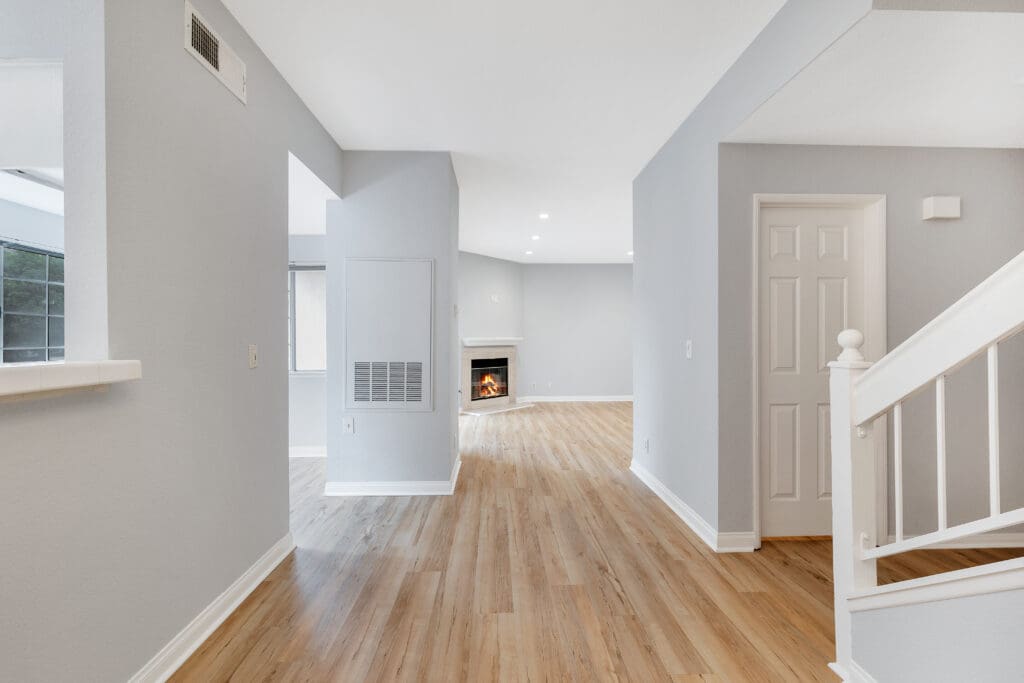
(489, 378)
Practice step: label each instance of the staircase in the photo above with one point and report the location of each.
(864, 398)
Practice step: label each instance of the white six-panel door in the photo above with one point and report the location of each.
(810, 288)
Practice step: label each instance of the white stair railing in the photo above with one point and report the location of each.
(861, 393)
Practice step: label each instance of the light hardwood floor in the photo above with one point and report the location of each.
(550, 562)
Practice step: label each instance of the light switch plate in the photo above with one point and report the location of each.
(254, 360)
(689, 349)
(348, 425)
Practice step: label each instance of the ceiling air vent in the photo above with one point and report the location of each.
(203, 43)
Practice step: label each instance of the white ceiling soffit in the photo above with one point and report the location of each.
(548, 107)
(27, 192)
(31, 114)
(307, 197)
(923, 79)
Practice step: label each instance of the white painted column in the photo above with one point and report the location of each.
(853, 494)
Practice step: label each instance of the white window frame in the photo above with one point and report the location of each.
(292, 351)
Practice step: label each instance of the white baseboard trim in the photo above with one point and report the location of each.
(860, 675)
(693, 520)
(173, 654)
(496, 411)
(395, 488)
(855, 674)
(737, 542)
(574, 399)
(728, 542)
(993, 540)
(307, 452)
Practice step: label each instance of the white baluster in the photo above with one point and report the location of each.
(897, 466)
(853, 494)
(993, 430)
(940, 448)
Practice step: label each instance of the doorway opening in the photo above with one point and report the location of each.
(307, 311)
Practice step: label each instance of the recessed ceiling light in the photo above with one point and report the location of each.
(544, 216)
(629, 253)
(529, 253)
(535, 237)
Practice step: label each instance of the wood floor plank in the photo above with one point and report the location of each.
(550, 562)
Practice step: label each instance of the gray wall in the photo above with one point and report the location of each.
(307, 249)
(123, 514)
(675, 237)
(575, 320)
(930, 264)
(490, 297)
(307, 411)
(976, 638)
(395, 205)
(576, 328)
(950, 5)
(31, 226)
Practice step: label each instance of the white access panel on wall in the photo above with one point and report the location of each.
(389, 334)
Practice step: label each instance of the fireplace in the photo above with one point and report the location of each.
(489, 378)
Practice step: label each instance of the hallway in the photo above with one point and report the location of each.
(551, 561)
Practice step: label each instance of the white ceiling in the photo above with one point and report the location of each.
(547, 106)
(31, 134)
(27, 192)
(936, 79)
(31, 114)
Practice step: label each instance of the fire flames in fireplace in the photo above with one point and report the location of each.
(489, 385)
(489, 378)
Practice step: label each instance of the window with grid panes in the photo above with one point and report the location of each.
(31, 304)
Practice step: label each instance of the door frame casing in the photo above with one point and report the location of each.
(875, 337)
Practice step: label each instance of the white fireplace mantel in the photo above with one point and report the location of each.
(491, 341)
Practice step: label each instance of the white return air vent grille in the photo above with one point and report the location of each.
(388, 322)
(381, 382)
(210, 50)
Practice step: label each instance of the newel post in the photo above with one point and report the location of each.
(853, 493)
